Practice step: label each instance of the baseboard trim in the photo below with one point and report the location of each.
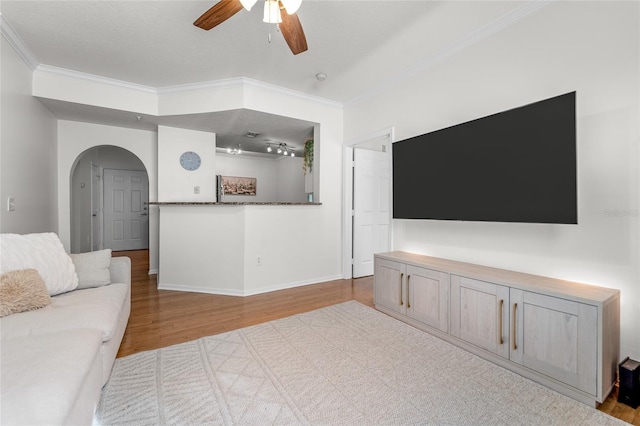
(292, 285)
(244, 293)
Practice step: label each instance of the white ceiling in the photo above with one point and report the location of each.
(360, 45)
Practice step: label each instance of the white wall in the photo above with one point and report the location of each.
(27, 152)
(176, 183)
(291, 180)
(287, 240)
(201, 249)
(278, 179)
(74, 139)
(590, 47)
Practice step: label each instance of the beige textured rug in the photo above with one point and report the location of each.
(342, 365)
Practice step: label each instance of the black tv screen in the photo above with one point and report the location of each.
(514, 166)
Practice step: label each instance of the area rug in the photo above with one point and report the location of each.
(346, 364)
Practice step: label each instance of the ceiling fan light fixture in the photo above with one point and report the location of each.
(248, 4)
(272, 12)
(291, 6)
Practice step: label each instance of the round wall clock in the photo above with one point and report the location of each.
(190, 160)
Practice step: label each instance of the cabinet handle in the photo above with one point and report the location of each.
(408, 279)
(515, 324)
(401, 276)
(500, 339)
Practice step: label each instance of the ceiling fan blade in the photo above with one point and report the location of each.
(292, 31)
(219, 13)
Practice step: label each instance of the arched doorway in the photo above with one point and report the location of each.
(109, 201)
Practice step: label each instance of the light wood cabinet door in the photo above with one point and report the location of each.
(428, 297)
(388, 285)
(556, 337)
(479, 314)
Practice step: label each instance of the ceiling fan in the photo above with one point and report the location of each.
(281, 12)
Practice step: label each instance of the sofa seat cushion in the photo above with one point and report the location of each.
(44, 376)
(94, 308)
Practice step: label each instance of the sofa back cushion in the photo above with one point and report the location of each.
(42, 252)
(92, 268)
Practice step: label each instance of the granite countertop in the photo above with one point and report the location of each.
(215, 203)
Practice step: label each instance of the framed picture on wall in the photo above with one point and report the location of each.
(234, 185)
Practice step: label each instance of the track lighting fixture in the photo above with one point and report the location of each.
(282, 149)
(234, 151)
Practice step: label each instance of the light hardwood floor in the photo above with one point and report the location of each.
(161, 318)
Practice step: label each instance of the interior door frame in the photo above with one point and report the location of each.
(347, 201)
(96, 197)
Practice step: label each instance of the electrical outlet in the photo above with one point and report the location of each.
(11, 204)
(258, 261)
(196, 189)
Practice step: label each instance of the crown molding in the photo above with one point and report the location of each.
(464, 42)
(183, 88)
(246, 82)
(203, 85)
(292, 93)
(18, 45)
(63, 72)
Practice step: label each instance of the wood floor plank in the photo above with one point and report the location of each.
(161, 317)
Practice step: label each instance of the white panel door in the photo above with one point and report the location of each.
(126, 213)
(371, 208)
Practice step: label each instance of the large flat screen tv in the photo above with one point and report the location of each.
(514, 166)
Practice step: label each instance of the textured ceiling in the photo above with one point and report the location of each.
(360, 45)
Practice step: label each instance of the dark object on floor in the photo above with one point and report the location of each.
(629, 393)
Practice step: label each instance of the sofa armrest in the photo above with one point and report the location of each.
(120, 269)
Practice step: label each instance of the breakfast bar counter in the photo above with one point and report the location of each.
(232, 203)
(240, 249)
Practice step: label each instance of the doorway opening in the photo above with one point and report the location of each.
(368, 205)
(109, 201)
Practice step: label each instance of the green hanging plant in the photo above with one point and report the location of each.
(307, 164)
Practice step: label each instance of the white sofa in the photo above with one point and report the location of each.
(55, 360)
